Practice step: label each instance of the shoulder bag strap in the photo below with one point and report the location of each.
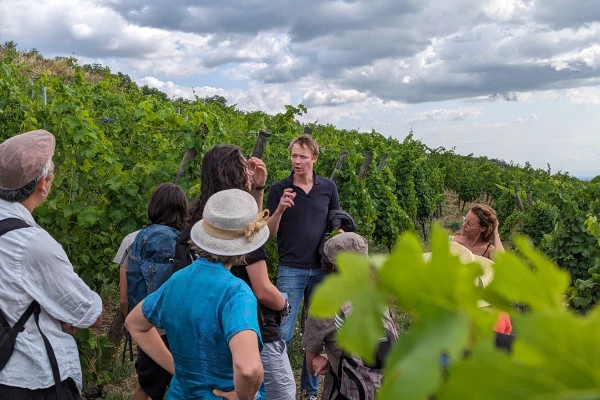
(19, 325)
(55, 371)
(10, 224)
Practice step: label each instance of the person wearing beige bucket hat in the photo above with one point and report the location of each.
(224, 167)
(37, 278)
(209, 315)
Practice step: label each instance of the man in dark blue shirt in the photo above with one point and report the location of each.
(299, 206)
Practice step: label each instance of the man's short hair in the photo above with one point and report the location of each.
(306, 141)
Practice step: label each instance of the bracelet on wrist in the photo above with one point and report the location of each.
(258, 188)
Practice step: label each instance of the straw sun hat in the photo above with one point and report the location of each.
(466, 256)
(231, 224)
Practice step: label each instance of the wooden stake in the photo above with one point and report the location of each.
(261, 144)
(339, 165)
(365, 166)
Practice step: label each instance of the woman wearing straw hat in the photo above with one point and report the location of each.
(479, 231)
(209, 315)
(224, 167)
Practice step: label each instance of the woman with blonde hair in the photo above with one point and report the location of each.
(479, 231)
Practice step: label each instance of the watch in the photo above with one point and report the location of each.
(287, 309)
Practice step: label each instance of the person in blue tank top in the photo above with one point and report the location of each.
(209, 315)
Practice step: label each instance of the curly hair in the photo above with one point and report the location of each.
(225, 260)
(223, 167)
(487, 219)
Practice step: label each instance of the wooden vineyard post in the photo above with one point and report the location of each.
(519, 201)
(339, 165)
(530, 199)
(116, 332)
(190, 154)
(365, 166)
(261, 144)
(382, 162)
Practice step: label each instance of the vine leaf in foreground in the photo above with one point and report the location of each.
(442, 295)
(555, 357)
(353, 282)
(540, 287)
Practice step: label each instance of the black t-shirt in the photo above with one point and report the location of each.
(303, 225)
(268, 320)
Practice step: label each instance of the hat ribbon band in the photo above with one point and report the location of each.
(249, 231)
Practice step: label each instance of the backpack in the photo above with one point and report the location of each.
(8, 334)
(184, 255)
(355, 379)
(150, 261)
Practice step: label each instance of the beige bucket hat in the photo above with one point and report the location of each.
(231, 224)
(466, 256)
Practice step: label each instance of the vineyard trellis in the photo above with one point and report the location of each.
(116, 142)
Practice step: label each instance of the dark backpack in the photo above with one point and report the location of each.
(150, 261)
(355, 379)
(8, 334)
(184, 255)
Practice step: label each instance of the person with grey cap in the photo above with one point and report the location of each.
(319, 333)
(37, 277)
(209, 315)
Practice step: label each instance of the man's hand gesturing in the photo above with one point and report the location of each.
(287, 200)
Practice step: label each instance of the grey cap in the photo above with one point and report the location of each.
(348, 241)
(23, 157)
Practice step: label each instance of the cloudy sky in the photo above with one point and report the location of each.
(512, 79)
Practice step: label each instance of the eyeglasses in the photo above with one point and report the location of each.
(465, 222)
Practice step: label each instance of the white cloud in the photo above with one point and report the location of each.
(586, 95)
(332, 96)
(505, 10)
(446, 115)
(359, 64)
(267, 98)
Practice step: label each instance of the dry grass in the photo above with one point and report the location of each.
(123, 389)
(452, 213)
(36, 64)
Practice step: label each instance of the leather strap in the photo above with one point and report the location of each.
(10, 224)
(53, 363)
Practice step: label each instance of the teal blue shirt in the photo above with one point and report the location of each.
(201, 308)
